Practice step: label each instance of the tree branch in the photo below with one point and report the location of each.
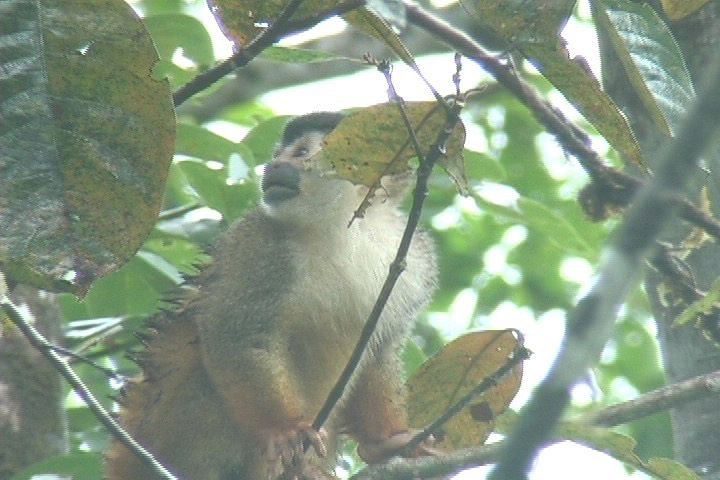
(611, 188)
(659, 400)
(398, 265)
(281, 27)
(591, 322)
(650, 403)
(49, 351)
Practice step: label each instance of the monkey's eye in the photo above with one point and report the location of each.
(301, 152)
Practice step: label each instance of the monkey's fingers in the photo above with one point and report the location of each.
(317, 439)
(285, 449)
(381, 450)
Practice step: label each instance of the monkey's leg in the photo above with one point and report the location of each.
(262, 395)
(375, 411)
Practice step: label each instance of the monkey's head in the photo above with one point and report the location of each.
(292, 192)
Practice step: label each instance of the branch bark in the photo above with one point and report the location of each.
(696, 389)
(591, 322)
(685, 351)
(32, 418)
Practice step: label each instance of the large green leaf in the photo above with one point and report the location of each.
(212, 186)
(542, 219)
(651, 57)
(172, 32)
(534, 30)
(86, 137)
(242, 20)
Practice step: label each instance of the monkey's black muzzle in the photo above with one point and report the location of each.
(281, 181)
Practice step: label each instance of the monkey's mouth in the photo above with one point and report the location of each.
(281, 181)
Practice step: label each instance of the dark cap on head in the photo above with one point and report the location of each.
(323, 122)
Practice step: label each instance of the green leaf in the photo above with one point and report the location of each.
(535, 33)
(622, 447)
(86, 137)
(703, 306)
(651, 57)
(198, 142)
(299, 55)
(77, 465)
(263, 139)
(135, 289)
(479, 166)
(230, 199)
(183, 254)
(173, 31)
(539, 217)
(515, 23)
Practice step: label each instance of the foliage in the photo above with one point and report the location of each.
(516, 244)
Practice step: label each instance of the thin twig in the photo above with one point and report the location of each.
(398, 264)
(37, 340)
(521, 353)
(81, 358)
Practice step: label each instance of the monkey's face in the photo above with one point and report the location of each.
(294, 193)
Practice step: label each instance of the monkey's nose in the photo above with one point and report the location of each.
(280, 182)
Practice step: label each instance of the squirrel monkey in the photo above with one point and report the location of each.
(233, 378)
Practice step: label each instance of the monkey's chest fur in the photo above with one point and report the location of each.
(308, 293)
(335, 292)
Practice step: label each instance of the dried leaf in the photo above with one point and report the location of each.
(373, 142)
(679, 9)
(451, 374)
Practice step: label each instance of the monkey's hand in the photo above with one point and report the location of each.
(285, 452)
(379, 451)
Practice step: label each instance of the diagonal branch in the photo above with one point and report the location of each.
(281, 27)
(398, 265)
(589, 325)
(48, 350)
(611, 188)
